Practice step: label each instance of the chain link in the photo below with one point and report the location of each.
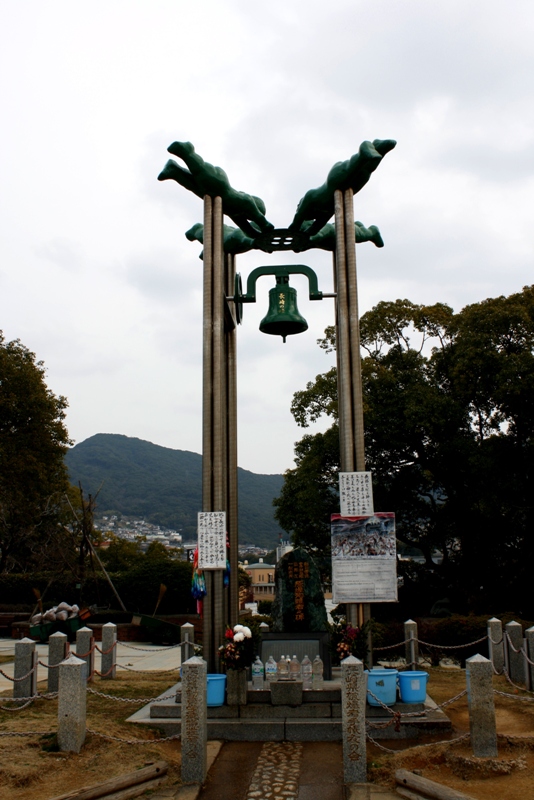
(451, 646)
(138, 700)
(17, 680)
(155, 649)
(390, 646)
(510, 681)
(147, 671)
(510, 643)
(513, 696)
(133, 741)
(428, 744)
(106, 652)
(28, 733)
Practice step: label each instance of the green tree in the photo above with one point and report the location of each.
(33, 442)
(121, 554)
(449, 423)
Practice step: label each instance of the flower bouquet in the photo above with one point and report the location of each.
(237, 652)
(346, 640)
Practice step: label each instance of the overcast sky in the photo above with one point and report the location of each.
(96, 275)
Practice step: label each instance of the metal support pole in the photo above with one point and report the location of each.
(350, 397)
(215, 416)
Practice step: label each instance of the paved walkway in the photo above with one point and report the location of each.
(283, 771)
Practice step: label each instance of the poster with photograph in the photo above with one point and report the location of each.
(364, 558)
(211, 539)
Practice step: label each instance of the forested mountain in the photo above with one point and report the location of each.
(164, 486)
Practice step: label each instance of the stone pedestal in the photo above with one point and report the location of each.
(516, 661)
(194, 720)
(353, 698)
(187, 637)
(479, 676)
(57, 652)
(286, 693)
(236, 687)
(85, 650)
(71, 713)
(496, 644)
(412, 645)
(529, 639)
(109, 651)
(25, 661)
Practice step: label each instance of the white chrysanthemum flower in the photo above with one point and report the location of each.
(239, 637)
(238, 628)
(247, 632)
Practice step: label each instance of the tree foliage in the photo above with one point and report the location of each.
(33, 442)
(449, 437)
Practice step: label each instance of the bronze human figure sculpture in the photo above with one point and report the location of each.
(235, 241)
(317, 205)
(246, 210)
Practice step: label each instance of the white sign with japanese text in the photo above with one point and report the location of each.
(356, 494)
(364, 558)
(212, 540)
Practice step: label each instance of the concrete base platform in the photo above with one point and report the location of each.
(318, 719)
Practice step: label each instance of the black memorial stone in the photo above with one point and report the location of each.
(299, 601)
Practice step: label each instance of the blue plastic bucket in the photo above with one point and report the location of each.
(412, 686)
(216, 690)
(383, 684)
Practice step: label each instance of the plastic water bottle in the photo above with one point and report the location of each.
(257, 674)
(283, 672)
(271, 669)
(317, 674)
(294, 669)
(306, 670)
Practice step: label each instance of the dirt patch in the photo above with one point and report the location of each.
(31, 768)
(509, 776)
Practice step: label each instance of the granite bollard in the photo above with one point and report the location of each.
(411, 644)
(108, 661)
(529, 668)
(496, 644)
(85, 650)
(353, 700)
(25, 662)
(57, 652)
(71, 713)
(479, 676)
(194, 720)
(516, 661)
(187, 637)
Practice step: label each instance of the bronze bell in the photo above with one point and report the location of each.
(283, 318)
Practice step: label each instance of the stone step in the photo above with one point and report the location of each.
(170, 710)
(304, 730)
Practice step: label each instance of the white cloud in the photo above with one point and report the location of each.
(97, 276)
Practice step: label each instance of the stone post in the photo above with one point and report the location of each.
(72, 703)
(264, 628)
(25, 662)
(85, 650)
(516, 662)
(109, 651)
(353, 698)
(496, 644)
(187, 634)
(411, 643)
(194, 720)
(57, 652)
(479, 677)
(529, 647)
